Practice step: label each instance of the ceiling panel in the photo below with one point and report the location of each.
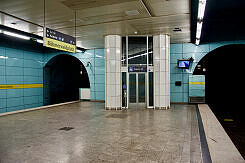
(85, 4)
(168, 7)
(97, 18)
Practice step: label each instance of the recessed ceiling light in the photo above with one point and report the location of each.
(136, 32)
(177, 29)
(76, 20)
(132, 12)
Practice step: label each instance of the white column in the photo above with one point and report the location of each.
(161, 54)
(113, 72)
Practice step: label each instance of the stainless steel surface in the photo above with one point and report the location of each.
(169, 136)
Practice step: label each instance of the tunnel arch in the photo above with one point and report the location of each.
(63, 76)
(224, 79)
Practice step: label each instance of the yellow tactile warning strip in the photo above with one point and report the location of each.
(20, 86)
(199, 83)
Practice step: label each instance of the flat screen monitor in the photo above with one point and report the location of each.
(185, 64)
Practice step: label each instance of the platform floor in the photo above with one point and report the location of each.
(169, 136)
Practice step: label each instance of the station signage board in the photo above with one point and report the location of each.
(137, 69)
(57, 40)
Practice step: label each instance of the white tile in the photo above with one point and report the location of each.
(163, 101)
(157, 78)
(111, 90)
(162, 41)
(118, 54)
(117, 66)
(118, 90)
(163, 79)
(162, 65)
(156, 43)
(157, 101)
(117, 101)
(112, 54)
(163, 90)
(117, 78)
(157, 91)
(156, 52)
(106, 42)
(118, 41)
(156, 65)
(110, 78)
(112, 41)
(163, 53)
(113, 101)
(108, 102)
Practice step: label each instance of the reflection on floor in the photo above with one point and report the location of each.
(85, 132)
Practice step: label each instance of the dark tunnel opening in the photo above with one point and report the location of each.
(63, 76)
(224, 85)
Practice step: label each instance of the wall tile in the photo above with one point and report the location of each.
(18, 101)
(3, 93)
(14, 71)
(31, 100)
(14, 79)
(3, 110)
(33, 91)
(3, 103)
(2, 79)
(32, 55)
(32, 64)
(16, 62)
(176, 48)
(2, 71)
(2, 60)
(11, 93)
(15, 108)
(13, 53)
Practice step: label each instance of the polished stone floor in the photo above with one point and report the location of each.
(95, 135)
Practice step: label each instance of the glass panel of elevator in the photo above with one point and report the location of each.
(137, 72)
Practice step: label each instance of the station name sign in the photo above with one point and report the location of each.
(57, 40)
(137, 69)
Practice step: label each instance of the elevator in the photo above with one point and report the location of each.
(137, 90)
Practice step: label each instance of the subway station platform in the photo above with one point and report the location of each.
(85, 132)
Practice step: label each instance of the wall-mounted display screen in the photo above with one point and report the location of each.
(184, 64)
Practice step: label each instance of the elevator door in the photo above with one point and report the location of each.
(137, 90)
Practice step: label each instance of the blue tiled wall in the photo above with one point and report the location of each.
(96, 69)
(197, 86)
(26, 67)
(184, 51)
(20, 67)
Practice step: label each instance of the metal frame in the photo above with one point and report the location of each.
(137, 103)
(146, 73)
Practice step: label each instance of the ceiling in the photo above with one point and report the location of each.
(223, 20)
(90, 20)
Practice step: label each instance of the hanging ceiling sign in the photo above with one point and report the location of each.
(58, 40)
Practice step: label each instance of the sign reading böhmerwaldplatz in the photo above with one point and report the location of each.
(60, 41)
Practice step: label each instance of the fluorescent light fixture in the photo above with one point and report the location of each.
(78, 51)
(197, 42)
(40, 41)
(199, 30)
(201, 9)
(16, 35)
(3, 57)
